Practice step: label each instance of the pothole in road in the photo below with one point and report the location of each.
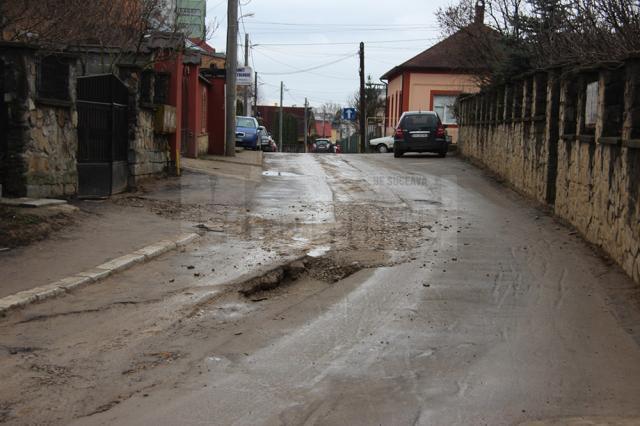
(326, 266)
(274, 173)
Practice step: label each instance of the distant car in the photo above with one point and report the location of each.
(323, 145)
(382, 145)
(420, 131)
(267, 143)
(248, 133)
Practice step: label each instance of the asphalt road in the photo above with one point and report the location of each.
(436, 297)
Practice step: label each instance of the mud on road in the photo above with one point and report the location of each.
(152, 327)
(342, 290)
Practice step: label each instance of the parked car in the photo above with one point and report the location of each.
(266, 141)
(268, 144)
(323, 145)
(382, 145)
(248, 133)
(420, 131)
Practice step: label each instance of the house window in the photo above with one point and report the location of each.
(161, 89)
(591, 105)
(53, 78)
(444, 106)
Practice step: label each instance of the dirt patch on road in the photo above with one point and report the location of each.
(21, 227)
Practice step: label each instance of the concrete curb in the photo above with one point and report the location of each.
(94, 275)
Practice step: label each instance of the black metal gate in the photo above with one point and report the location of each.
(103, 135)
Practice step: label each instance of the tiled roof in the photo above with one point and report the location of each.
(451, 54)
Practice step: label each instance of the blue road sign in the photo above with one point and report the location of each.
(349, 114)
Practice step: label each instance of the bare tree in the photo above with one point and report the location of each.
(59, 24)
(524, 34)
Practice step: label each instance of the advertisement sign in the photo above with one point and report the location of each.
(245, 76)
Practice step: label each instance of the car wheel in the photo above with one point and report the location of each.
(442, 154)
(382, 148)
(397, 153)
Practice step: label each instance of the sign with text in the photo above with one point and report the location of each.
(245, 76)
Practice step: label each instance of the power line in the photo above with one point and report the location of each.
(342, 43)
(309, 70)
(385, 26)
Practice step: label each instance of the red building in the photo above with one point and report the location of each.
(198, 95)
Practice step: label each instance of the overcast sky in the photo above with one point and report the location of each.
(392, 31)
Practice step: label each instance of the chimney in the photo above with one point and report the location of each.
(479, 19)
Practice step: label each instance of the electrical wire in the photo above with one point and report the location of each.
(309, 70)
(327, 25)
(342, 43)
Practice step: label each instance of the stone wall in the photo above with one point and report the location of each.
(50, 153)
(148, 152)
(39, 134)
(41, 138)
(534, 133)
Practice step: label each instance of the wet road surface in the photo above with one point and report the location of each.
(439, 298)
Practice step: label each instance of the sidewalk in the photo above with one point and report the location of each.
(101, 231)
(164, 209)
(246, 165)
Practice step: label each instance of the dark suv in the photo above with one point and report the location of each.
(420, 132)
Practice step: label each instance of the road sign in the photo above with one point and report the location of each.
(349, 114)
(245, 76)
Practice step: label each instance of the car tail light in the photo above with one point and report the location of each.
(399, 133)
(440, 131)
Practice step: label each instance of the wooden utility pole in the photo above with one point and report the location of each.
(232, 70)
(247, 109)
(363, 104)
(306, 124)
(281, 112)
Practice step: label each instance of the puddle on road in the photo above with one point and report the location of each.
(279, 174)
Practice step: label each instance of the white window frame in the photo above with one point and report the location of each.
(447, 108)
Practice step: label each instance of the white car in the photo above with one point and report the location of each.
(382, 144)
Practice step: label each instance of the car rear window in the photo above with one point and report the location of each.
(420, 122)
(246, 122)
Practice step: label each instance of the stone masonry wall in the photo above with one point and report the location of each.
(52, 143)
(148, 152)
(42, 135)
(589, 174)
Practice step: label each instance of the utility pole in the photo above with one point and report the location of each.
(281, 112)
(247, 109)
(255, 96)
(306, 124)
(232, 70)
(363, 103)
